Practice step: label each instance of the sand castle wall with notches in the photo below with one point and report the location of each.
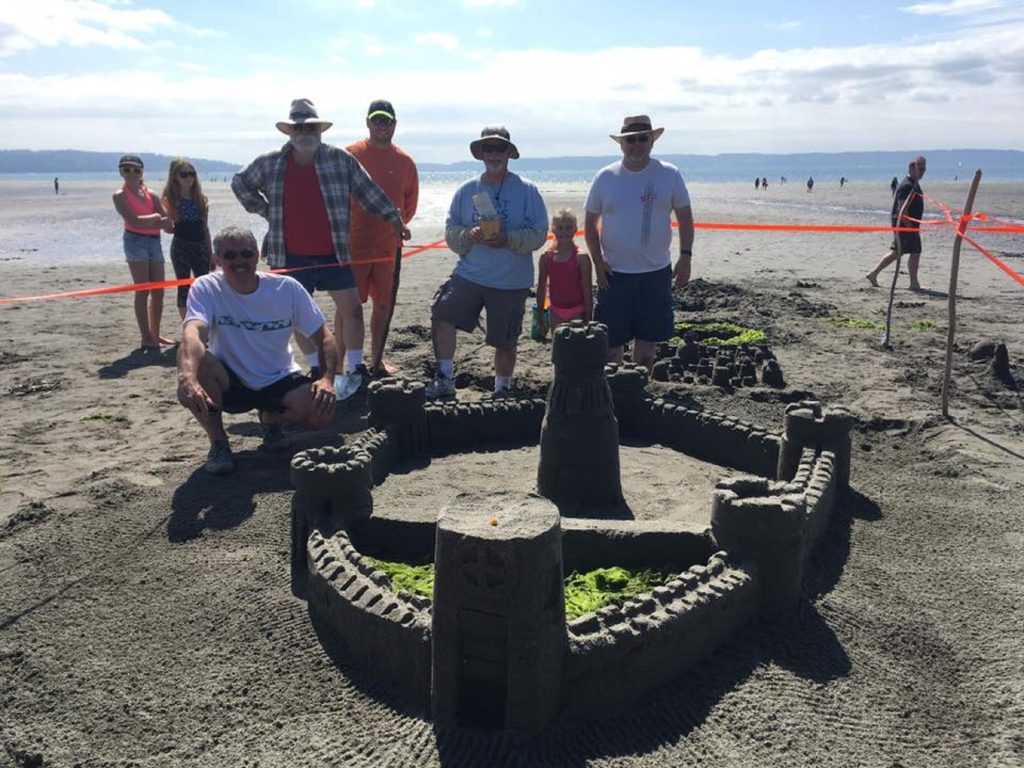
(752, 560)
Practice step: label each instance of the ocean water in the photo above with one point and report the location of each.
(81, 226)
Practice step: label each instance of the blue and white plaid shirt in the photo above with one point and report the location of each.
(259, 187)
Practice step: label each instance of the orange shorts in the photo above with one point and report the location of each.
(375, 277)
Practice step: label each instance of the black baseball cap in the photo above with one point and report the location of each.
(381, 107)
(130, 160)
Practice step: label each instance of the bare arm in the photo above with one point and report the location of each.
(147, 221)
(681, 273)
(324, 400)
(542, 288)
(587, 284)
(194, 336)
(593, 238)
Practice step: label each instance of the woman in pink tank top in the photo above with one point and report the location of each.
(144, 217)
(564, 275)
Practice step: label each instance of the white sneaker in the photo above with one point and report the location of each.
(440, 386)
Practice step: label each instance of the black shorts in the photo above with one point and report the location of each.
(910, 242)
(637, 305)
(239, 398)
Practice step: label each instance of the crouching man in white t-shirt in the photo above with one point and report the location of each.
(235, 356)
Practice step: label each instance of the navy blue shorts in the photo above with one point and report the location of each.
(323, 273)
(636, 306)
(240, 399)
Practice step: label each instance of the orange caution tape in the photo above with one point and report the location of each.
(1006, 268)
(948, 220)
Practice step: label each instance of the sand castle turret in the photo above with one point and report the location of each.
(579, 439)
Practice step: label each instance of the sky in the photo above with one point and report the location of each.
(210, 79)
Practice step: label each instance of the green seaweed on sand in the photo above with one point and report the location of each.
(590, 591)
(855, 322)
(415, 579)
(584, 592)
(719, 334)
(924, 325)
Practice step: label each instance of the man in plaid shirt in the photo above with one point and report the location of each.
(303, 191)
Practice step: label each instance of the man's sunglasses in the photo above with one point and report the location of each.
(306, 128)
(638, 138)
(493, 149)
(381, 120)
(131, 170)
(245, 253)
(186, 174)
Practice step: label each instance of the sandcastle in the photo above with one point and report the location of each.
(493, 649)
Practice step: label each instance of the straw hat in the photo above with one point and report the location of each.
(303, 112)
(635, 124)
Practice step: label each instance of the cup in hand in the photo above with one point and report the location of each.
(490, 227)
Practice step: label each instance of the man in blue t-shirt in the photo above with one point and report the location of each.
(494, 225)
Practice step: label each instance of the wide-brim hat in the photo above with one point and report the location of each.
(635, 124)
(493, 133)
(302, 112)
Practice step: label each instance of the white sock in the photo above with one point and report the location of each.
(502, 383)
(313, 358)
(353, 357)
(446, 368)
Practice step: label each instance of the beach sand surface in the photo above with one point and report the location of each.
(146, 616)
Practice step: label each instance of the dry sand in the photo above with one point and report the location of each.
(145, 611)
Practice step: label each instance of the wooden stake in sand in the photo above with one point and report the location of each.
(887, 337)
(953, 273)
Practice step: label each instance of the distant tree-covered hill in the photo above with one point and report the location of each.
(58, 161)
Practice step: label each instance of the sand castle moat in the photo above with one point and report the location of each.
(492, 648)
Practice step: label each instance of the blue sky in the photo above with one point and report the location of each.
(210, 79)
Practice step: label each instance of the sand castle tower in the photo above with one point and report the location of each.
(579, 439)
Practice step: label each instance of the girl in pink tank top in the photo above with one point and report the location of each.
(564, 275)
(144, 217)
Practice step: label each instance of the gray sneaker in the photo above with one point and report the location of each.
(219, 460)
(348, 384)
(440, 386)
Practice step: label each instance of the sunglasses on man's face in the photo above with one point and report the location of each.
(492, 149)
(381, 120)
(245, 253)
(186, 174)
(639, 138)
(306, 128)
(131, 170)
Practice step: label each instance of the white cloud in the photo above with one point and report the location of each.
(78, 23)
(951, 8)
(959, 91)
(438, 39)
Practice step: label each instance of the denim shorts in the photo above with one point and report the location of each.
(142, 247)
(322, 273)
(636, 306)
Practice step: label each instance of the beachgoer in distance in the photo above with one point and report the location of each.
(842, 181)
(564, 275)
(893, 184)
(633, 200)
(188, 214)
(235, 354)
(56, 185)
(303, 191)
(764, 183)
(909, 242)
(757, 182)
(495, 223)
(144, 217)
(810, 183)
(373, 242)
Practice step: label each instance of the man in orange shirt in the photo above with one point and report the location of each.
(373, 243)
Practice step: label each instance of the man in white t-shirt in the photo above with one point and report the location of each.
(235, 354)
(633, 200)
